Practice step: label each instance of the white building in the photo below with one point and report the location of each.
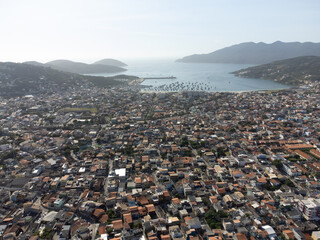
(291, 170)
(271, 233)
(310, 208)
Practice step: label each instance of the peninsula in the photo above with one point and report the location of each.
(293, 71)
(102, 66)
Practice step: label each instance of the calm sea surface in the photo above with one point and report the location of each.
(195, 76)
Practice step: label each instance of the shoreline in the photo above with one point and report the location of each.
(240, 91)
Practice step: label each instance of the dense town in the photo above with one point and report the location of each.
(123, 164)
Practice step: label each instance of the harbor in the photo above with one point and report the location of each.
(156, 78)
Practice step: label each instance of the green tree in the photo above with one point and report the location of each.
(289, 183)
(221, 152)
(214, 218)
(184, 142)
(47, 234)
(278, 164)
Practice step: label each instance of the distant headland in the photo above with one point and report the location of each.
(256, 53)
(293, 71)
(107, 65)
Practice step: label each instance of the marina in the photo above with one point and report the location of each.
(153, 78)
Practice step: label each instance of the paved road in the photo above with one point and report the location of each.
(74, 156)
(106, 182)
(94, 228)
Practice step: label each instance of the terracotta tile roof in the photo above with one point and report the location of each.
(133, 209)
(221, 190)
(112, 194)
(213, 199)
(193, 238)
(252, 237)
(98, 212)
(187, 219)
(142, 211)
(153, 238)
(215, 238)
(315, 152)
(126, 226)
(138, 180)
(250, 175)
(241, 236)
(130, 197)
(302, 169)
(176, 200)
(85, 193)
(289, 233)
(104, 218)
(194, 204)
(262, 180)
(263, 233)
(271, 207)
(127, 218)
(117, 224)
(237, 172)
(166, 194)
(274, 181)
(165, 237)
(299, 146)
(150, 179)
(143, 200)
(79, 224)
(302, 154)
(102, 230)
(151, 208)
(46, 179)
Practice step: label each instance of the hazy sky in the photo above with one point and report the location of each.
(88, 30)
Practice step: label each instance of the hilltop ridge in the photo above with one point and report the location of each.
(102, 66)
(256, 53)
(112, 62)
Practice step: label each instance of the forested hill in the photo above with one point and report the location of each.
(293, 71)
(83, 68)
(112, 62)
(17, 79)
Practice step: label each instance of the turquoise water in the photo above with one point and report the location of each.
(196, 76)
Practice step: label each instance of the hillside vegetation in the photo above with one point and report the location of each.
(18, 79)
(294, 71)
(107, 65)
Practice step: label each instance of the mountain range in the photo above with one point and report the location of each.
(103, 66)
(256, 53)
(293, 71)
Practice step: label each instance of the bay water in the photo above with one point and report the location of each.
(213, 77)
